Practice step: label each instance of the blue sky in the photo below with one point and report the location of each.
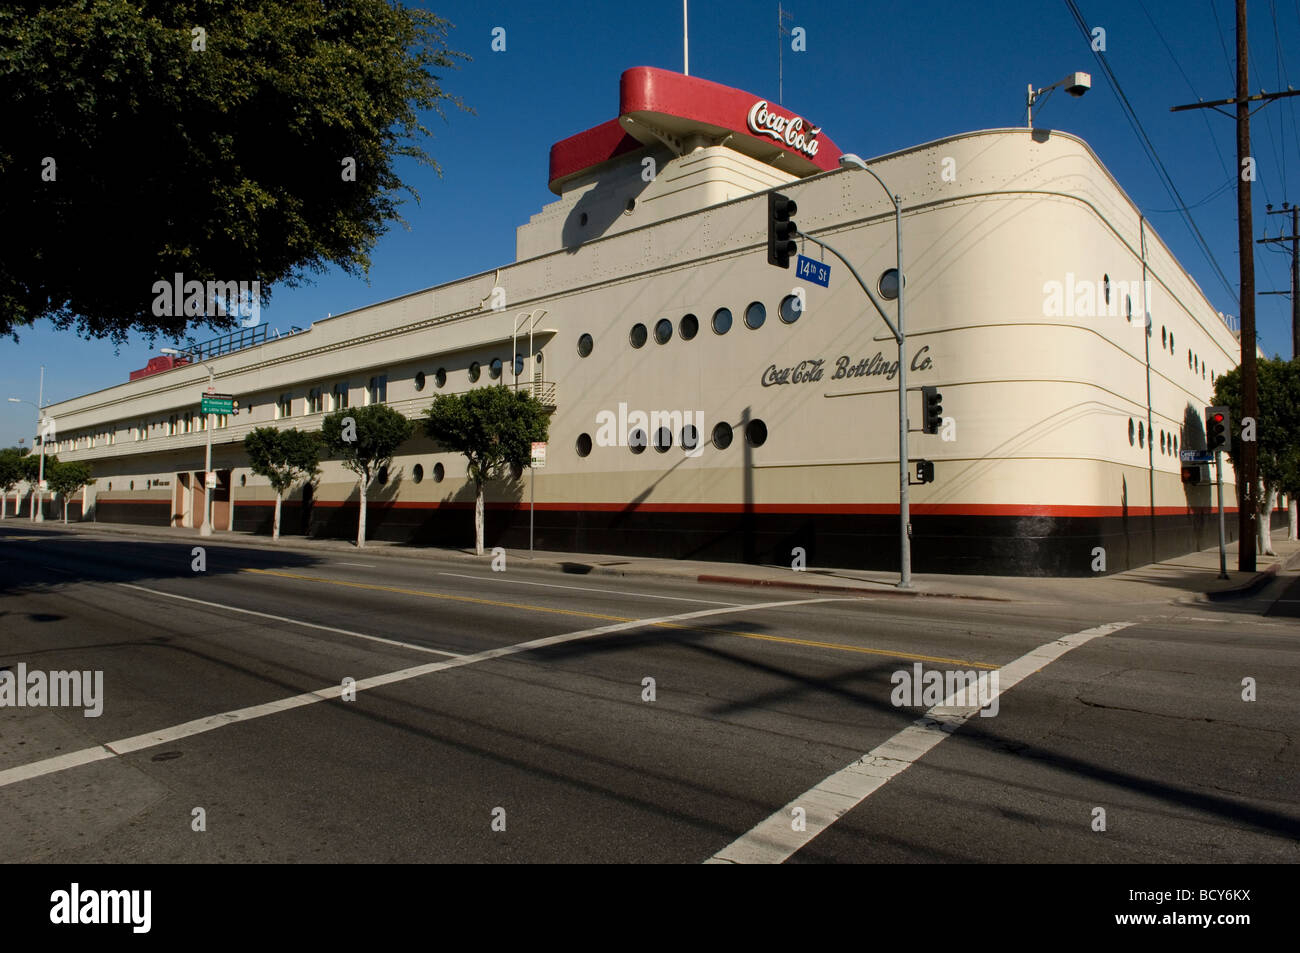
(877, 77)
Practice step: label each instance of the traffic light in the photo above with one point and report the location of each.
(781, 229)
(1192, 473)
(931, 410)
(924, 471)
(1218, 428)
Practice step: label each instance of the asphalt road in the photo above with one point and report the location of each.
(223, 690)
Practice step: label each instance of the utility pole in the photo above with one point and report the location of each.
(1294, 239)
(1248, 473)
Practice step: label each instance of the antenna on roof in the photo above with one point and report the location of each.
(686, 44)
(781, 31)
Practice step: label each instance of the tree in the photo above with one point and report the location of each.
(1277, 433)
(284, 457)
(66, 479)
(241, 141)
(365, 438)
(11, 474)
(494, 427)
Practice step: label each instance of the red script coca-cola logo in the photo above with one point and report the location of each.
(763, 122)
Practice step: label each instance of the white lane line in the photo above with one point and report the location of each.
(773, 840)
(610, 592)
(362, 565)
(165, 735)
(280, 618)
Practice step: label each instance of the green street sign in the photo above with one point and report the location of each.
(218, 404)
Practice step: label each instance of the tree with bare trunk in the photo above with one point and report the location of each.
(494, 427)
(365, 439)
(284, 457)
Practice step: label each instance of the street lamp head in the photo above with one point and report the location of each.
(851, 160)
(170, 350)
(15, 400)
(1076, 84)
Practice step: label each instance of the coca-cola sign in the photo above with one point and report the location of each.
(811, 370)
(789, 131)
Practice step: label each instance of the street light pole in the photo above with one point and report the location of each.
(37, 509)
(206, 528)
(904, 504)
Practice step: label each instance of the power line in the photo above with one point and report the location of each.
(1131, 115)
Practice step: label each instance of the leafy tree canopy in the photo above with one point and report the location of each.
(494, 427)
(148, 138)
(67, 478)
(1277, 427)
(377, 432)
(283, 456)
(12, 471)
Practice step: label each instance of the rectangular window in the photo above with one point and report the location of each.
(341, 395)
(284, 406)
(377, 389)
(315, 401)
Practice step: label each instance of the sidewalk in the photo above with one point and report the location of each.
(1185, 578)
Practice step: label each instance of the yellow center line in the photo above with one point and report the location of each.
(788, 640)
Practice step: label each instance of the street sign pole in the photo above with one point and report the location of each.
(1223, 548)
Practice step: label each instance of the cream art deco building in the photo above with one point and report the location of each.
(645, 288)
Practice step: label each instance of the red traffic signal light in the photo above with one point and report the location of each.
(1218, 428)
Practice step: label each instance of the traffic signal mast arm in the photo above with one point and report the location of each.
(854, 272)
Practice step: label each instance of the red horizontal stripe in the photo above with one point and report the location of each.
(846, 509)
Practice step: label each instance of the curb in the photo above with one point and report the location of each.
(1254, 585)
(856, 590)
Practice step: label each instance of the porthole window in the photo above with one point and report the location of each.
(383, 475)
(631, 204)
(1189, 357)
(440, 377)
(1171, 342)
(133, 484)
(638, 335)
(755, 315)
(582, 219)
(583, 445)
(756, 433)
(243, 479)
(1164, 337)
(1162, 441)
(519, 364)
(1130, 431)
(419, 381)
(790, 309)
(663, 440)
(663, 331)
(439, 471)
(688, 327)
(585, 344)
(494, 368)
(1141, 434)
(474, 372)
(1105, 287)
(1128, 308)
(690, 437)
(417, 473)
(636, 440)
(721, 321)
(1175, 444)
(722, 435)
(110, 484)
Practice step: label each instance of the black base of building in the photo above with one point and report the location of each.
(948, 544)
